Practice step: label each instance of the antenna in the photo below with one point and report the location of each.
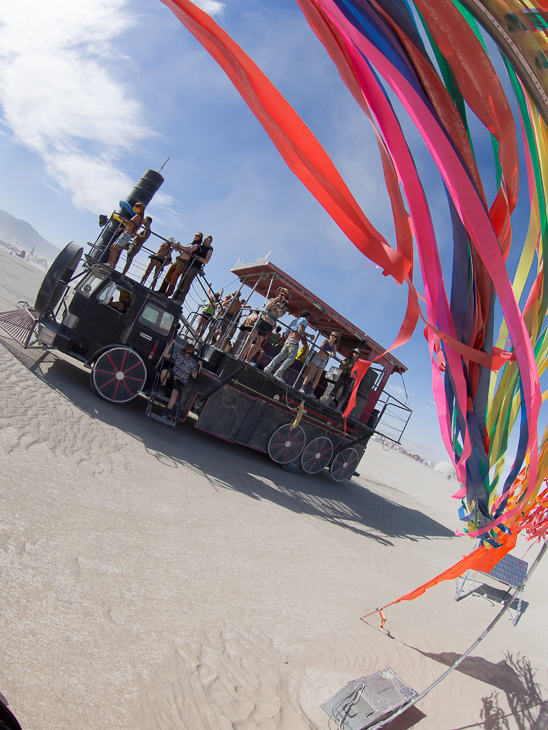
(165, 163)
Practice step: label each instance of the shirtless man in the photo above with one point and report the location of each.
(180, 266)
(232, 306)
(138, 242)
(129, 226)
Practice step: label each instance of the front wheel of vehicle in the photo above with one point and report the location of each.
(118, 375)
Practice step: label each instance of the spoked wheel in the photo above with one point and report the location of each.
(344, 464)
(317, 455)
(118, 375)
(286, 444)
(293, 467)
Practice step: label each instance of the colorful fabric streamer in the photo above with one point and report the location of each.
(431, 55)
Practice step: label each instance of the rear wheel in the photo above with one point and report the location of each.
(118, 375)
(317, 455)
(286, 444)
(344, 464)
(293, 467)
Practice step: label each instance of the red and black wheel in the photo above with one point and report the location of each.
(118, 374)
(317, 455)
(286, 444)
(344, 464)
(293, 467)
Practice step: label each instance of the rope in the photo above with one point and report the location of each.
(459, 661)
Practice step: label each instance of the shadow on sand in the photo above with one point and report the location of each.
(516, 678)
(235, 467)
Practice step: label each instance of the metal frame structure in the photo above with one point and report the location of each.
(230, 398)
(510, 571)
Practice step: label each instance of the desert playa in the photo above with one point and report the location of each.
(157, 578)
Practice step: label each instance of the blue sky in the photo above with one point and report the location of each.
(93, 94)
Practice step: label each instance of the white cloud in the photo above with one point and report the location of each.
(210, 6)
(62, 96)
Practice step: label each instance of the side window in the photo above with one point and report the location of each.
(166, 322)
(89, 284)
(156, 319)
(379, 372)
(108, 292)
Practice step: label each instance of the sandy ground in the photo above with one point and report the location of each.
(155, 578)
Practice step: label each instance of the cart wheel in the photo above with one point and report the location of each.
(57, 277)
(118, 375)
(293, 467)
(317, 455)
(286, 444)
(344, 464)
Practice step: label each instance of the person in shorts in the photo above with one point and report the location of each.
(129, 228)
(209, 310)
(138, 242)
(319, 360)
(185, 366)
(158, 260)
(274, 310)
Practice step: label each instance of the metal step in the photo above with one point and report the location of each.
(168, 421)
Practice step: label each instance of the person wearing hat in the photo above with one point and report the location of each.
(137, 243)
(199, 258)
(129, 228)
(295, 333)
(158, 260)
(344, 384)
(185, 365)
(180, 265)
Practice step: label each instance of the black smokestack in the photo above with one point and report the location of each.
(143, 193)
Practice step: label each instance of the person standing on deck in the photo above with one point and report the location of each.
(129, 229)
(295, 333)
(159, 259)
(199, 258)
(180, 265)
(137, 243)
(319, 361)
(274, 310)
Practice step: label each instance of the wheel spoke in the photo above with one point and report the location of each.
(130, 369)
(101, 387)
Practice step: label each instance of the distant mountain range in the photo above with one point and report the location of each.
(22, 235)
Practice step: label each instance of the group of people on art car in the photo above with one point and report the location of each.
(259, 339)
(267, 345)
(134, 232)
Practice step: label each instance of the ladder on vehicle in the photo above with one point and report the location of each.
(159, 398)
